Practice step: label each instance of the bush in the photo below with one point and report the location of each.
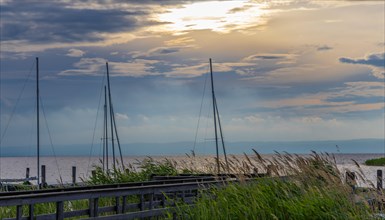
(375, 162)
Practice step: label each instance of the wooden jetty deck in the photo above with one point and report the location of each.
(152, 198)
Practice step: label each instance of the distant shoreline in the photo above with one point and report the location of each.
(360, 146)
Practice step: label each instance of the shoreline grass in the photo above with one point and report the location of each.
(314, 189)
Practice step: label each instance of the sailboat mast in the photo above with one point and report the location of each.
(117, 139)
(38, 122)
(105, 149)
(215, 118)
(220, 131)
(111, 116)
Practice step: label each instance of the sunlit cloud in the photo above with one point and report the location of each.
(96, 67)
(227, 16)
(340, 100)
(75, 53)
(282, 68)
(86, 66)
(120, 116)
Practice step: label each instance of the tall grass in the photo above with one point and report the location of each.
(141, 171)
(314, 189)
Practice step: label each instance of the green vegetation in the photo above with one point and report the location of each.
(376, 162)
(270, 199)
(313, 190)
(145, 170)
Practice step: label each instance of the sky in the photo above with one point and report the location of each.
(284, 70)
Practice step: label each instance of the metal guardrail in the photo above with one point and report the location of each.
(153, 198)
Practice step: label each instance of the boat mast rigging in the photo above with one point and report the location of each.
(216, 117)
(38, 123)
(113, 129)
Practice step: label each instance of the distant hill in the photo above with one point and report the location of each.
(181, 148)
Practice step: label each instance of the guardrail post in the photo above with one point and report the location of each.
(379, 179)
(73, 175)
(60, 210)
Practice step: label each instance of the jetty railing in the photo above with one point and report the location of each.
(129, 201)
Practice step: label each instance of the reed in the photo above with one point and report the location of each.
(314, 189)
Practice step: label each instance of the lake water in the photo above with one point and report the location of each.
(56, 167)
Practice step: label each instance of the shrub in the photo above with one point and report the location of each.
(376, 162)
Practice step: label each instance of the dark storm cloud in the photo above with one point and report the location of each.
(376, 60)
(55, 22)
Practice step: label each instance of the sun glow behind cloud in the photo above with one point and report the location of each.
(224, 16)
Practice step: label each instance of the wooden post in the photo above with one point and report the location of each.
(31, 212)
(94, 207)
(151, 199)
(163, 200)
(43, 176)
(117, 205)
(27, 173)
(19, 211)
(269, 170)
(73, 175)
(351, 179)
(124, 203)
(379, 179)
(141, 202)
(60, 210)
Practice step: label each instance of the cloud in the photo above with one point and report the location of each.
(29, 26)
(352, 97)
(75, 53)
(54, 22)
(86, 66)
(302, 128)
(120, 116)
(324, 47)
(375, 61)
(240, 9)
(269, 56)
(96, 66)
(158, 51)
(181, 41)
